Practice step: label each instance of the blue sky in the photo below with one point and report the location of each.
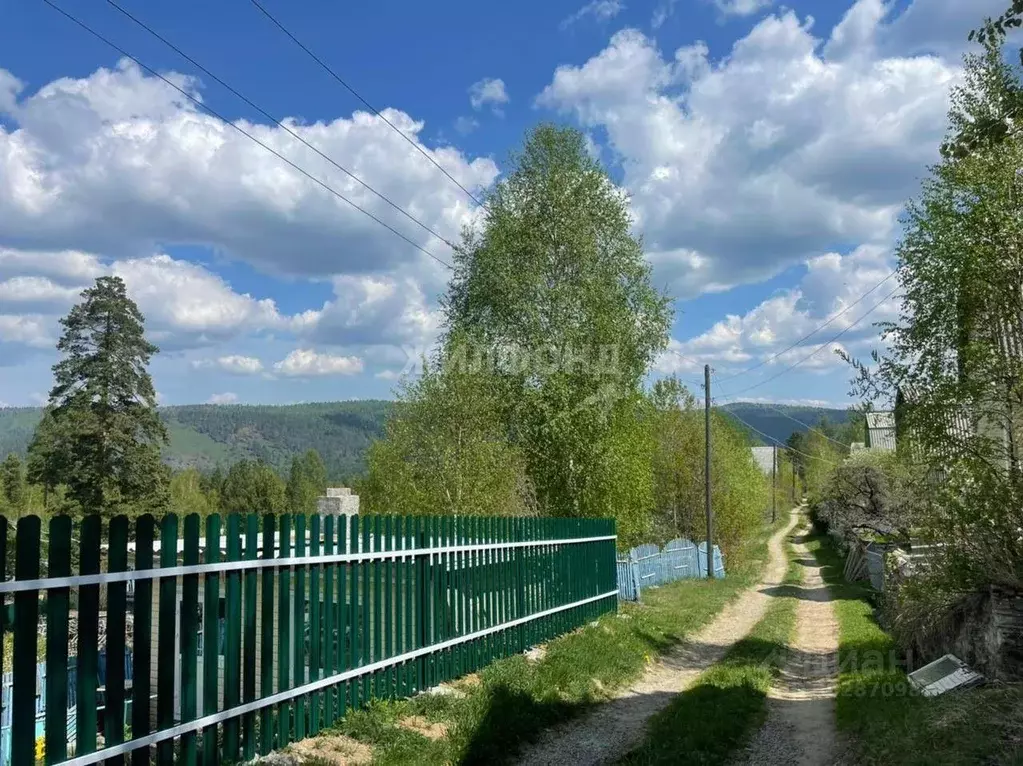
(767, 150)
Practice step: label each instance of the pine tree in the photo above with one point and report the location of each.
(101, 436)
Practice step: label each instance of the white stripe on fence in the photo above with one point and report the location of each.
(50, 583)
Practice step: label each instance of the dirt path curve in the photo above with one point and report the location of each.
(800, 726)
(618, 726)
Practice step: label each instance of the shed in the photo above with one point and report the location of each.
(880, 431)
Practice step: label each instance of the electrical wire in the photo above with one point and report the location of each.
(241, 130)
(275, 120)
(780, 443)
(807, 426)
(811, 333)
(814, 353)
(365, 103)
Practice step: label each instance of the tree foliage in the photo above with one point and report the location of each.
(556, 284)
(252, 486)
(739, 490)
(871, 494)
(955, 351)
(187, 494)
(307, 481)
(12, 481)
(101, 435)
(446, 451)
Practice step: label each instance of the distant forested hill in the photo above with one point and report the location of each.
(771, 420)
(205, 436)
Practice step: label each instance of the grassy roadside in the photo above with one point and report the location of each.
(884, 721)
(511, 702)
(710, 722)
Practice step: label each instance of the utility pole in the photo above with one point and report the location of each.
(774, 484)
(706, 471)
(793, 482)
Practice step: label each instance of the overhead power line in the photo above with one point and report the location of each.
(820, 348)
(244, 132)
(278, 122)
(810, 334)
(807, 426)
(778, 442)
(365, 103)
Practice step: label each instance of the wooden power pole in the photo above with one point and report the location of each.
(706, 471)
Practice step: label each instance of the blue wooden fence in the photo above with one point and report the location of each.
(7, 680)
(647, 566)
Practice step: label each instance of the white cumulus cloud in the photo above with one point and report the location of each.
(840, 297)
(232, 363)
(228, 397)
(741, 7)
(120, 163)
(307, 363)
(488, 92)
(785, 149)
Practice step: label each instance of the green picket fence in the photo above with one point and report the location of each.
(251, 632)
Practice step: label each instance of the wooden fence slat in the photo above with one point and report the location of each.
(408, 534)
(211, 639)
(189, 636)
(355, 615)
(341, 661)
(142, 635)
(266, 638)
(249, 637)
(26, 621)
(299, 628)
(284, 710)
(378, 592)
(387, 626)
(87, 661)
(233, 640)
(327, 648)
(57, 610)
(166, 650)
(367, 689)
(117, 605)
(315, 628)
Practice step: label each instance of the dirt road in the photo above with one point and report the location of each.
(618, 726)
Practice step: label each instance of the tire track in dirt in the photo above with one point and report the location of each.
(800, 725)
(618, 726)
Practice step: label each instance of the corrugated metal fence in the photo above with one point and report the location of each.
(648, 565)
(316, 615)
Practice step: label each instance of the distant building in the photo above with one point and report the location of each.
(764, 457)
(880, 431)
(339, 501)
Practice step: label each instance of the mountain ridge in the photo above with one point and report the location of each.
(204, 436)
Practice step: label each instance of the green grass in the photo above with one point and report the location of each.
(710, 722)
(885, 722)
(514, 699)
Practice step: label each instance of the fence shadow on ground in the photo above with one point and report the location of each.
(514, 717)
